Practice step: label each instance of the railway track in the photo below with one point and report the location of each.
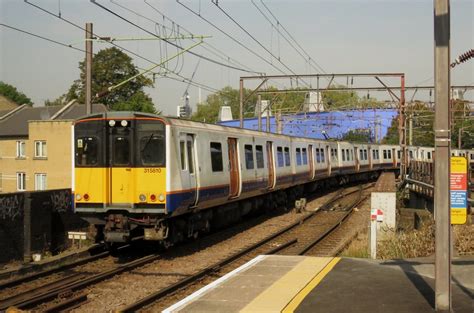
(292, 239)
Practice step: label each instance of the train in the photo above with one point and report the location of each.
(139, 175)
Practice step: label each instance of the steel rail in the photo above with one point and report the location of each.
(30, 301)
(336, 225)
(33, 276)
(215, 267)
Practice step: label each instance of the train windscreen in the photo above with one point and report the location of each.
(89, 137)
(151, 150)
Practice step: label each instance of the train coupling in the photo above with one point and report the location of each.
(117, 228)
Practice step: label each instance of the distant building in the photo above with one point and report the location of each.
(225, 114)
(333, 124)
(35, 146)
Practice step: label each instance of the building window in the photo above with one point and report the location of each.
(216, 157)
(41, 150)
(280, 156)
(259, 155)
(298, 156)
(248, 157)
(305, 156)
(20, 181)
(40, 182)
(20, 149)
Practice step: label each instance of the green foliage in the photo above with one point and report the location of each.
(358, 135)
(208, 111)
(137, 102)
(61, 100)
(345, 99)
(11, 93)
(423, 126)
(111, 67)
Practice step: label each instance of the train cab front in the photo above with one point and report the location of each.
(120, 173)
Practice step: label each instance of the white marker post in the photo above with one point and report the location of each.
(376, 216)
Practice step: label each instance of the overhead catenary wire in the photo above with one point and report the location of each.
(293, 38)
(167, 41)
(216, 3)
(42, 37)
(94, 34)
(230, 37)
(207, 46)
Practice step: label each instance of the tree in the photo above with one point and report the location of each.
(13, 94)
(358, 135)
(110, 67)
(61, 100)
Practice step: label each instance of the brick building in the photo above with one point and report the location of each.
(35, 146)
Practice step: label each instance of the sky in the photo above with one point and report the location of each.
(341, 36)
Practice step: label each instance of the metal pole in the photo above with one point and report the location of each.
(459, 137)
(402, 125)
(241, 108)
(268, 116)
(88, 68)
(442, 151)
(259, 112)
(410, 129)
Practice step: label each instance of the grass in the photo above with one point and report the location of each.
(413, 243)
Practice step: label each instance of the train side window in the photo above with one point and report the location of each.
(305, 156)
(385, 154)
(389, 154)
(182, 152)
(472, 156)
(422, 155)
(373, 155)
(365, 154)
(249, 157)
(287, 156)
(352, 154)
(343, 155)
(280, 156)
(361, 154)
(216, 157)
(298, 156)
(428, 155)
(323, 158)
(318, 156)
(411, 154)
(378, 154)
(259, 155)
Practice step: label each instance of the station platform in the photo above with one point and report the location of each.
(272, 283)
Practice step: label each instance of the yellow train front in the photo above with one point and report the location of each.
(119, 173)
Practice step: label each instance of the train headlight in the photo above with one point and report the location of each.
(111, 123)
(78, 197)
(142, 198)
(124, 123)
(161, 197)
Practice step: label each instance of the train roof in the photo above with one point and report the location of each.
(200, 125)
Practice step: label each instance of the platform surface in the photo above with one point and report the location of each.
(309, 284)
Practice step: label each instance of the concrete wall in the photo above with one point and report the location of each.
(57, 165)
(36, 222)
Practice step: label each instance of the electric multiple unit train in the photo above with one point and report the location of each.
(166, 179)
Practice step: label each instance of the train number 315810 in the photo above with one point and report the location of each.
(152, 170)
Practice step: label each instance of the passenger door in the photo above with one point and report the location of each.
(234, 169)
(311, 162)
(270, 164)
(120, 173)
(188, 168)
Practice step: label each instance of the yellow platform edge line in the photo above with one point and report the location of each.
(296, 301)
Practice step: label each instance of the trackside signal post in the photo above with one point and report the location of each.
(442, 151)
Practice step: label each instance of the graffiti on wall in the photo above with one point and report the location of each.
(11, 206)
(61, 200)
